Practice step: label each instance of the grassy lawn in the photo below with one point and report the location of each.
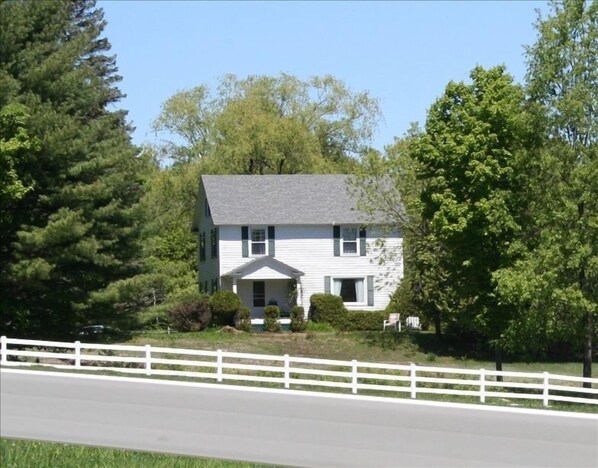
(391, 347)
(421, 348)
(26, 454)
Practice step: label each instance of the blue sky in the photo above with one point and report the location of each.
(403, 53)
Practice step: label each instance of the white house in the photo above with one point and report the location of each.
(281, 238)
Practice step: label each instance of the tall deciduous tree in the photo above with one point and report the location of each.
(555, 281)
(388, 183)
(75, 231)
(264, 124)
(469, 156)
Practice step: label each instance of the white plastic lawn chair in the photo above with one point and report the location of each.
(413, 323)
(394, 320)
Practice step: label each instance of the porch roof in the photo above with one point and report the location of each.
(263, 265)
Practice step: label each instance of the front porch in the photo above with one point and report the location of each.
(265, 281)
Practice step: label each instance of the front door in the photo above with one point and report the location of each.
(258, 299)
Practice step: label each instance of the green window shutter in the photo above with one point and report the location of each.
(362, 244)
(370, 280)
(336, 233)
(327, 284)
(245, 240)
(217, 236)
(271, 238)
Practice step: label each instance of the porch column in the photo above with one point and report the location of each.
(299, 291)
(235, 284)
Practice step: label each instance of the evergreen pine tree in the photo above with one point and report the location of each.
(76, 229)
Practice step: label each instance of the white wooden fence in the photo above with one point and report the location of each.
(299, 372)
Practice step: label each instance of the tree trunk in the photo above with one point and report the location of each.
(587, 348)
(589, 329)
(498, 358)
(437, 325)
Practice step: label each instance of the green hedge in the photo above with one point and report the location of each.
(297, 319)
(224, 306)
(271, 316)
(327, 308)
(190, 313)
(243, 319)
(364, 320)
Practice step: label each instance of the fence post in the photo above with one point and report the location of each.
(219, 365)
(545, 389)
(148, 359)
(482, 385)
(77, 354)
(413, 382)
(287, 375)
(353, 376)
(4, 348)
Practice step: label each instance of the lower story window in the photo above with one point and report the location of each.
(350, 289)
(259, 294)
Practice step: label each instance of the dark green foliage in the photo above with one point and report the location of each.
(224, 306)
(327, 308)
(75, 229)
(364, 320)
(471, 158)
(191, 314)
(243, 319)
(271, 316)
(402, 300)
(297, 319)
(554, 283)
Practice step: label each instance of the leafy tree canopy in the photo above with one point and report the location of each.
(262, 124)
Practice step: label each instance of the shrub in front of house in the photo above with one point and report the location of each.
(243, 319)
(364, 320)
(224, 306)
(271, 316)
(190, 313)
(297, 319)
(327, 308)
(402, 300)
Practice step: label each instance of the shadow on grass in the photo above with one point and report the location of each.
(428, 343)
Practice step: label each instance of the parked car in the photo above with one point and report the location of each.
(97, 333)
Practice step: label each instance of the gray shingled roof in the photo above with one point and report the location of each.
(281, 199)
(265, 261)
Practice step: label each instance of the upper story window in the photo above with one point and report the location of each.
(207, 211)
(349, 241)
(202, 246)
(258, 241)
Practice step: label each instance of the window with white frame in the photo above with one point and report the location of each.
(352, 290)
(258, 241)
(349, 241)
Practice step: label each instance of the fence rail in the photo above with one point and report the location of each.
(299, 372)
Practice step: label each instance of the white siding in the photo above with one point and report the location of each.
(311, 250)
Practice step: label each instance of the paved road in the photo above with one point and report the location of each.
(286, 428)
